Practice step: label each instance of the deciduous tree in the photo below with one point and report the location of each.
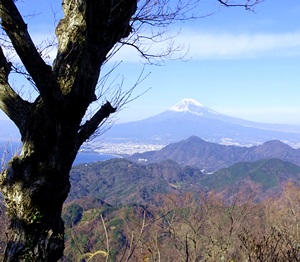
(53, 127)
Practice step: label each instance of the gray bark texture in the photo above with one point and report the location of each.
(36, 183)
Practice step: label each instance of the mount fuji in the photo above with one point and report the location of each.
(189, 117)
(193, 107)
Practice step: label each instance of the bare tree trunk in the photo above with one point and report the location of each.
(34, 208)
(35, 185)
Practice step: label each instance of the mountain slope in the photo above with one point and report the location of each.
(211, 156)
(267, 173)
(189, 117)
(119, 181)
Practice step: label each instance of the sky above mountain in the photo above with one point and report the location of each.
(239, 63)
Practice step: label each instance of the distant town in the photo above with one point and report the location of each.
(128, 148)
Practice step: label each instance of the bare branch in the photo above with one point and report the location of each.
(248, 4)
(165, 12)
(10, 102)
(85, 35)
(150, 26)
(16, 29)
(117, 96)
(91, 125)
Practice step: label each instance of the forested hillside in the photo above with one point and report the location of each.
(120, 210)
(121, 182)
(201, 227)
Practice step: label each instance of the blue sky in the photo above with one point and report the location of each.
(240, 63)
(243, 64)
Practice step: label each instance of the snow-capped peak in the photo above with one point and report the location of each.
(184, 105)
(191, 106)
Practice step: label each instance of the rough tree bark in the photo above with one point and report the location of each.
(36, 183)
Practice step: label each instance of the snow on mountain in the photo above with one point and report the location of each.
(192, 106)
(189, 117)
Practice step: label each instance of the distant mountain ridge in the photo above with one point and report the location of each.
(185, 119)
(120, 181)
(208, 156)
(194, 107)
(189, 117)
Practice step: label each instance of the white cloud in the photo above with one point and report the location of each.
(239, 46)
(127, 54)
(204, 45)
